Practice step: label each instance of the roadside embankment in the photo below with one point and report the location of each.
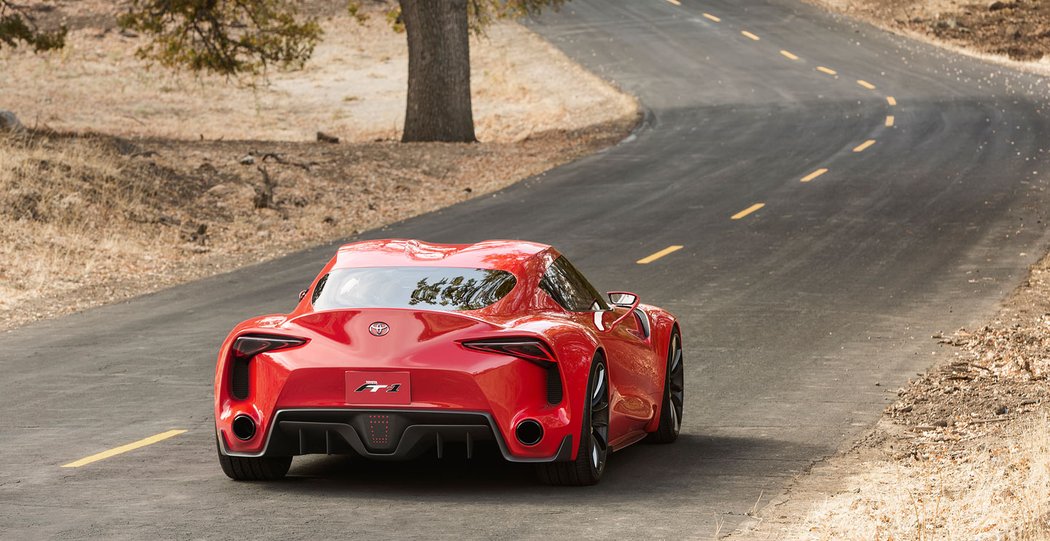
(1015, 32)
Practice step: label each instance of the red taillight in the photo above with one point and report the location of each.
(528, 349)
(248, 346)
(244, 349)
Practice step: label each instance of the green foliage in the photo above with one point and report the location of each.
(480, 13)
(228, 37)
(483, 12)
(353, 7)
(393, 16)
(17, 26)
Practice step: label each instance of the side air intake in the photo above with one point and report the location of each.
(554, 388)
(239, 379)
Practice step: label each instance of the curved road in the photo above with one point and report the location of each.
(801, 318)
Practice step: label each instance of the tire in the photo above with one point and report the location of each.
(593, 450)
(673, 404)
(254, 468)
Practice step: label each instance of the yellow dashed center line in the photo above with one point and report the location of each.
(747, 211)
(753, 208)
(675, 2)
(815, 174)
(123, 449)
(863, 146)
(658, 255)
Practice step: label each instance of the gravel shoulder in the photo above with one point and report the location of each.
(133, 179)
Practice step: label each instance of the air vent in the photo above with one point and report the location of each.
(554, 390)
(239, 381)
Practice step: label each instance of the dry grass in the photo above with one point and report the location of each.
(1015, 33)
(353, 88)
(89, 220)
(999, 490)
(65, 207)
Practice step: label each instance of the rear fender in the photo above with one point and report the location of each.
(663, 324)
(268, 324)
(574, 347)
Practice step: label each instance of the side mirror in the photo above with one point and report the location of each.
(622, 299)
(302, 294)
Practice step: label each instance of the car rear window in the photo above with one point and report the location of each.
(423, 288)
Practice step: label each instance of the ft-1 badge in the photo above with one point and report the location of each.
(368, 388)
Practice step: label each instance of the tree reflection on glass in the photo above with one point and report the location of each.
(427, 288)
(460, 292)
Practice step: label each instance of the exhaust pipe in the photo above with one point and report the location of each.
(529, 432)
(243, 427)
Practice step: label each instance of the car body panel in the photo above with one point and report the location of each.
(422, 352)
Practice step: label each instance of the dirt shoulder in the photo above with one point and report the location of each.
(136, 180)
(964, 453)
(1011, 30)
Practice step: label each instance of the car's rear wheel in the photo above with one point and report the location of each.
(674, 394)
(593, 449)
(254, 468)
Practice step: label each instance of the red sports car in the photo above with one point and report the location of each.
(402, 347)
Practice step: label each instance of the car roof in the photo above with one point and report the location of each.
(508, 255)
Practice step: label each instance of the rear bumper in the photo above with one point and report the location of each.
(384, 434)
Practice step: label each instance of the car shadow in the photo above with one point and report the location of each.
(711, 464)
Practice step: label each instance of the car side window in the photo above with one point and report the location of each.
(318, 288)
(570, 289)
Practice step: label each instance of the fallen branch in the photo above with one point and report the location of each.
(277, 158)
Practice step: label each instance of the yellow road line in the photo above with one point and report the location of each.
(747, 211)
(889, 121)
(658, 255)
(863, 146)
(712, 17)
(750, 35)
(675, 2)
(865, 84)
(890, 100)
(815, 174)
(788, 54)
(124, 448)
(829, 71)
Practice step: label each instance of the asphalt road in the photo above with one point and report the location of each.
(801, 319)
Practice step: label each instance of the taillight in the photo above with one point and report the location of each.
(251, 345)
(244, 349)
(528, 349)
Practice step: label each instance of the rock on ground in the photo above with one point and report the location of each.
(9, 122)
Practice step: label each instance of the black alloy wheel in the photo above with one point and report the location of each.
(674, 394)
(593, 449)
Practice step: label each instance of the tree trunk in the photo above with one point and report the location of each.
(438, 71)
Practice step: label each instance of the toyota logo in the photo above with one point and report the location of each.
(379, 328)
